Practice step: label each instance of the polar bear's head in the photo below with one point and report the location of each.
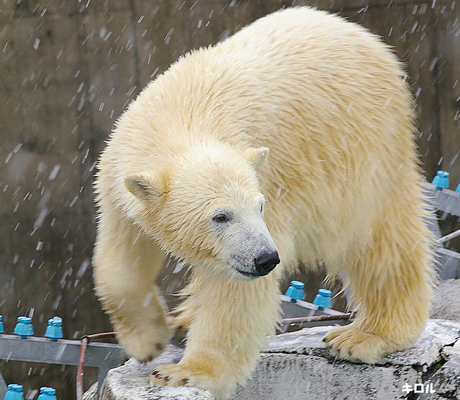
(205, 207)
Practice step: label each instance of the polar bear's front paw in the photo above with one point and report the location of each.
(144, 343)
(171, 375)
(350, 343)
(192, 375)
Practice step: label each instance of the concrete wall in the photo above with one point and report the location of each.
(68, 69)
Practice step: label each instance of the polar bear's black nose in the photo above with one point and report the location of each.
(266, 262)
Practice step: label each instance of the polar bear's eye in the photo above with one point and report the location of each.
(221, 218)
(261, 208)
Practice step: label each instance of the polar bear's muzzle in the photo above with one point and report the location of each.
(249, 249)
(266, 262)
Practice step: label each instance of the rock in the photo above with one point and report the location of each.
(91, 393)
(297, 366)
(427, 350)
(132, 381)
(446, 381)
(446, 304)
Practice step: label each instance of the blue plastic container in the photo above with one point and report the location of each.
(24, 327)
(47, 393)
(2, 330)
(441, 180)
(295, 291)
(14, 392)
(323, 299)
(54, 329)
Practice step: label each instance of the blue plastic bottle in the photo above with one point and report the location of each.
(24, 327)
(14, 392)
(47, 393)
(54, 329)
(323, 299)
(295, 291)
(441, 180)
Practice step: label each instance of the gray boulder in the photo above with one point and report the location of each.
(297, 366)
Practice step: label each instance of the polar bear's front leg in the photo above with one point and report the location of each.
(230, 326)
(392, 278)
(391, 318)
(125, 266)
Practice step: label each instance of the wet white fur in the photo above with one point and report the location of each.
(341, 188)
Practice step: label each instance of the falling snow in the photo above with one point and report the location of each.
(65, 88)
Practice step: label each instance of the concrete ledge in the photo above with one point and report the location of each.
(297, 366)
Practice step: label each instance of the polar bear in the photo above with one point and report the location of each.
(290, 143)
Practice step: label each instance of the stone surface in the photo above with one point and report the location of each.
(132, 381)
(298, 376)
(427, 350)
(298, 366)
(446, 304)
(447, 379)
(91, 393)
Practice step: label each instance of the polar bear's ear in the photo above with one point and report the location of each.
(256, 156)
(146, 186)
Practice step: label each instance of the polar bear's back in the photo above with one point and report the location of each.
(297, 72)
(307, 64)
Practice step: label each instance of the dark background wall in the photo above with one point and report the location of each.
(68, 68)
